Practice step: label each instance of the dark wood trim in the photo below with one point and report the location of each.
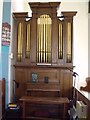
(20, 15)
(43, 5)
(2, 97)
(43, 66)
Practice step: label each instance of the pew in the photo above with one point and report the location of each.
(2, 97)
(87, 87)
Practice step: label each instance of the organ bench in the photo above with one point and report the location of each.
(48, 97)
(44, 100)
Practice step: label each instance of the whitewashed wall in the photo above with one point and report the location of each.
(80, 36)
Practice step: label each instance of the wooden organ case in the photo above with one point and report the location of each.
(43, 48)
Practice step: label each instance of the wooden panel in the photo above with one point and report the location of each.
(43, 89)
(43, 86)
(59, 76)
(2, 97)
(21, 79)
(66, 82)
(50, 73)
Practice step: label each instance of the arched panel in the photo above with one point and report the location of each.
(44, 39)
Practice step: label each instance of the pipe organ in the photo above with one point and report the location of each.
(43, 45)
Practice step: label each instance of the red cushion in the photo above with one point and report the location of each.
(41, 113)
